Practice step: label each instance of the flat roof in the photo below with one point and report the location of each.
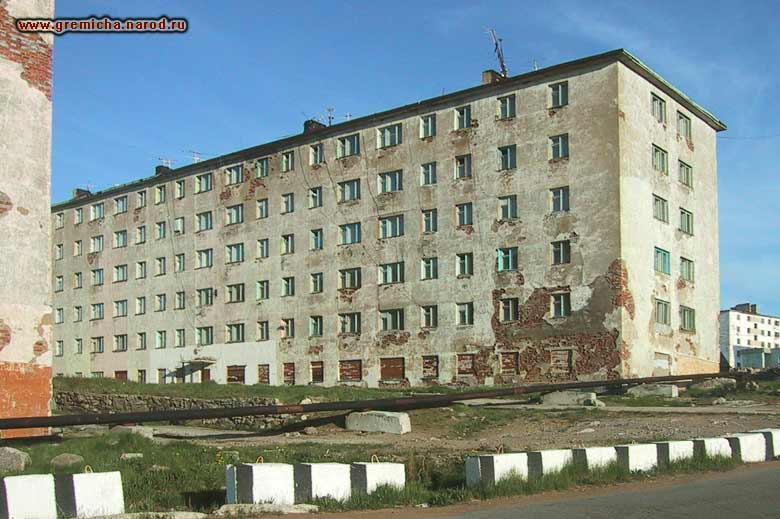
(618, 55)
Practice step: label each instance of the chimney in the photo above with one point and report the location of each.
(161, 170)
(491, 76)
(81, 193)
(311, 125)
(748, 308)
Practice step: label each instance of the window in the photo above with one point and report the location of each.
(510, 309)
(140, 340)
(97, 277)
(350, 233)
(288, 286)
(77, 280)
(95, 245)
(120, 239)
(429, 268)
(463, 117)
(391, 273)
(662, 262)
(686, 269)
(78, 346)
(427, 126)
(59, 220)
(315, 197)
(205, 221)
(235, 293)
(234, 175)
(507, 259)
(506, 107)
(120, 273)
(180, 338)
(430, 220)
(96, 311)
(205, 296)
(560, 94)
(392, 320)
(97, 211)
(428, 174)
(59, 284)
(391, 226)
(390, 135)
(560, 199)
(508, 207)
(204, 183)
(390, 181)
(178, 225)
(350, 278)
(140, 234)
(161, 339)
(348, 146)
(685, 174)
(465, 264)
(288, 161)
(205, 258)
(262, 167)
(179, 262)
(262, 290)
(235, 332)
(465, 314)
(235, 214)
(160, 230)
(315, 326)
(59, 315)
(349, 190)
(660, 209)
(288, 328)
(317, 372)
(684, 126)
(98, 345)
(262, 208)
(263, 248)
(140, 199)
(140, 305)
(59, 251)
(660, 160)
(159, 195)
(120, 342)
(77, 248)
(429, 316)
(120, 205)
(687, 319)
(160, 302)
(316, 154)
(78, 216)
(288, 244)
(561, 304)
(507, 157)
(263, 331)
(180, 191)
(160, 267)
(686, 221)
(180, 301)
(316, 239)
(288, 203)
(463, 166)
(316, 282)
(559, 146)
(465, 214)
(349, 324)
(235, 253)
(561, 252)
(659, 109)
(59, 349)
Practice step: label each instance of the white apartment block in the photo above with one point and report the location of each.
(749, 339)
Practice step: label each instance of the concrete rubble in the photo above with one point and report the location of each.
(379, 421)
(571, 398)
(660, 390)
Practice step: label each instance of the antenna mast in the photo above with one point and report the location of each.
(499, 52)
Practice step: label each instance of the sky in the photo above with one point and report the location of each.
(249, 72)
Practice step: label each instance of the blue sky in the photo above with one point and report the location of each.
(248, 72)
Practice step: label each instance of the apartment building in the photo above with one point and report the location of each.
(532, 228)
(749, 339)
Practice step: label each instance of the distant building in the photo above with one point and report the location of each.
(533, 228)
(749, 339)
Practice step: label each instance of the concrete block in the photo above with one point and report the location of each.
(231, 491)
(265, 483)
(379, 421)
(772, 437)
(569, 398)
(711, 448)
(548, 462)
(661, 390)
(491, 468)
(313, 480)
(669, 452)
(366, 477)
(594, 457)
(637, 457)
(90, 494)
(28, 497)
(750, 447)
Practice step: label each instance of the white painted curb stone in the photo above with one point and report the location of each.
(492, 468)
(594, 457)
(231, 492)
(772, 437)
(366, 477)
(711, 447)
(671, 451)
(313, 480)
(265, 483)
(749, 448)
(541, 463)
(28, 497)
(637, 457)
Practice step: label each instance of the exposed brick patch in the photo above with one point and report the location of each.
(225, 195)
(252, 186)
(315, 349)
(468, 229)
(5, 335)
(681, 283)
(5, 201)
(26, 392)
(423, 334)
(617, 277)
(29, 50)
(394, 339)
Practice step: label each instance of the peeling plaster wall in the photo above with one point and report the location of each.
(25, 180)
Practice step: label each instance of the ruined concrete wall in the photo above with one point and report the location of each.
(650, 345)
(25, 180)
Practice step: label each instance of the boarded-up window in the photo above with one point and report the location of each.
(289, 373)
(466, 364)
(350, 370)
(317, 371)
(263, 374)
(510, 363)
(560, 362)
(235, 374)
(161, 376)
(205, 375)
(120, 375)
(392, 368)
(430, 366)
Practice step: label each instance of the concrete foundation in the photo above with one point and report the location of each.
(749, 448)
(660, 390)
(669, 452)
(711, 447)
(28, 497)
(594, 457)
(637, 458)
(313, 480)
(379, 421)
(492, 468)
(265, 483)
(90, 494)
(772, 437)
(541, 463)
(366, 477)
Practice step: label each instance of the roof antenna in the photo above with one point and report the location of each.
(196, 155)
(331, 111)
(499, 52)
(165, 162)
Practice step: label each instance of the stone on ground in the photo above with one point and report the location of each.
(146, 432)
(712, 384)
(661, 390)
(66, 460)
(570, 398)
(131, 456)
(247, 510)
(379, 421)
(13, 460)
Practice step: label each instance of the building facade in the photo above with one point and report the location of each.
(532, 228)
(749, 339)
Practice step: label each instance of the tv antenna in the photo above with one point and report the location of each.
(331, 111)
(165, 162)
(348, 116)
(499, 52)
(196, 155)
